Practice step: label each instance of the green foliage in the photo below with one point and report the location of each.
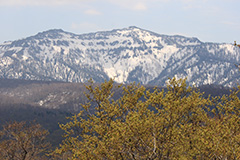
(176, 124)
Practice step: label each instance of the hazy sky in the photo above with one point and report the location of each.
(208, 20)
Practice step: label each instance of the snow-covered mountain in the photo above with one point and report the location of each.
(127, 55)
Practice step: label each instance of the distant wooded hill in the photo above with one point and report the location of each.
(49, 103)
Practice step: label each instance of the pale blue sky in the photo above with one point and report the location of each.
(208, 20)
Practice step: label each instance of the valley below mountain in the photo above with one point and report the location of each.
(50, 102)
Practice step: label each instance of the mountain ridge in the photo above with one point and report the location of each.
(127, 55)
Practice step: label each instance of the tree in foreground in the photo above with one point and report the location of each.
(22, 141)
(172, 124)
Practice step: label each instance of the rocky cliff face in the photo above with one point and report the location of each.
(127, 55)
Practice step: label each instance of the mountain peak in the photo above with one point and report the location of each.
(52, 33)
(134, 27)
(127, 55)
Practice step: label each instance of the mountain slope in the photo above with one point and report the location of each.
(127, 55)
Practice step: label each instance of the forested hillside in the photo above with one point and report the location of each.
(174, 110)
